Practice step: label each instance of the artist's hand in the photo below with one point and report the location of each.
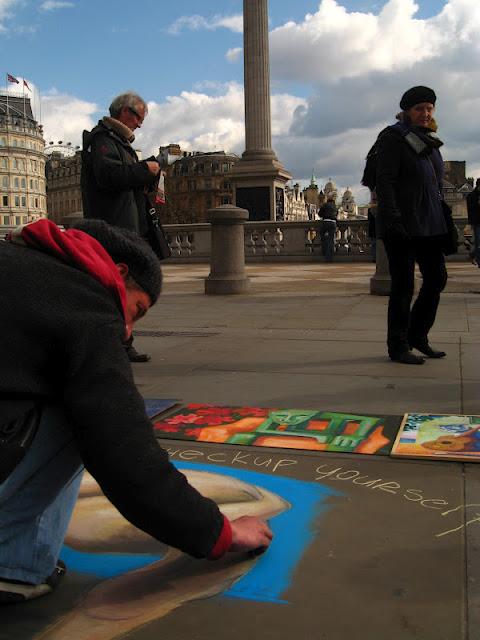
(153, 167)
(250, 533)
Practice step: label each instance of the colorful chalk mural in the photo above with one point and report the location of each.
(134, 569)
(287, 428)
(446, 437)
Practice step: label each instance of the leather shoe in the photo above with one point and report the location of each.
(407, 357)
(427, 350)
(134, 356)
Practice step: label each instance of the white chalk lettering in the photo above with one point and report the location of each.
(217, 457)
(283, 463)
(347, 475)
(417, 493)
(325, 474)
(434, 501)
(190, 454)
(241, 458)
(389, 487)
(461, 506)
(262, 462)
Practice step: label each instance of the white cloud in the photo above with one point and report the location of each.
(355, 67)
(64, 117)
(200, 23)
(53, 5)
(202, 122)
(359, 64)
(234, 55)
(336, 43)
(6, 7)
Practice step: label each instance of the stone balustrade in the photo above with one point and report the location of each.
(284, 241)
(287, 241)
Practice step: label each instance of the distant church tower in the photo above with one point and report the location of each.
(330, 190)
(311, 192)
(348, 204)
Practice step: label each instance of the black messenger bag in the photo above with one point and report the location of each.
(16, 436)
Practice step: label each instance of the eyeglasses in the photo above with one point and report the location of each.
(136, 114)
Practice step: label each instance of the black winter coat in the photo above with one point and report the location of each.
(400, 183)
(473, 206)
(113, 180)
(61, 336)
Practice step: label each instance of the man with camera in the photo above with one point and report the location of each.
(115, 184)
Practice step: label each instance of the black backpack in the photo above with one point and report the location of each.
(369, 178)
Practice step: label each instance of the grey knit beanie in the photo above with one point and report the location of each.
(128, 247)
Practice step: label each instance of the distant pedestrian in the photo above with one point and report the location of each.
(114, 182)
(328, 227)
(414, 222)
(473, 209)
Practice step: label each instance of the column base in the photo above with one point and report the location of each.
(225, 286)
(380, 285)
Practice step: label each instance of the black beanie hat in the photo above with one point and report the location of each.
(415, 95)
(128, 247)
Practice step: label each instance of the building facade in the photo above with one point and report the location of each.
(64, 193)
(195, 183)
(22, 164)
(296, 207)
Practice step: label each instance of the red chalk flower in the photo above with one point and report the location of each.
(188, 418)
(167, 428)
(253, 412)
(214, 419)
(215, 411)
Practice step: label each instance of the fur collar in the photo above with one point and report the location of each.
(118, 127)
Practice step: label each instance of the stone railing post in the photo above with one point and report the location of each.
(380, 282)
(227, 261)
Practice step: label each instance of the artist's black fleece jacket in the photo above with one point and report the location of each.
(61, 337)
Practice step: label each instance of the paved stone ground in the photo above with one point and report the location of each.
(306, 336)
(313, 336)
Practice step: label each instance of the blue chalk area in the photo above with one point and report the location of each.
(272, 574)
(105, 565)
(293, 532)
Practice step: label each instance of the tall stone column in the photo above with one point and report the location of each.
(259, 178)
(258, 130)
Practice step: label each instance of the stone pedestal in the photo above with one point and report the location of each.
(258, 178)
(380, 283)
(227, 262)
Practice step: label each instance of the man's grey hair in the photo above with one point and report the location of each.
(128, 99)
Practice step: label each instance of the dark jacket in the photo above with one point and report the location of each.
(328, 211)
(113, 180)
(401, 185)
(61, 337)
(473, 206)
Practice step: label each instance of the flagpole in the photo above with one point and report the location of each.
(6, 92)
(24, 105)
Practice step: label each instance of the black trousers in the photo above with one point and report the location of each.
(405, 325)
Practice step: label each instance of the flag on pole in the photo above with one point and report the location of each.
(25, 84)
(11, 78)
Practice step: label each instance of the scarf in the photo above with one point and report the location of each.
(76, 248)
(120, 128)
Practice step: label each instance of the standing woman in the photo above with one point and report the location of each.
(411, 220)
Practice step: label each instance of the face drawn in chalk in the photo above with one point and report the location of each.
(124, 603)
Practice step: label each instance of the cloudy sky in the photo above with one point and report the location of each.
(338, 69)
